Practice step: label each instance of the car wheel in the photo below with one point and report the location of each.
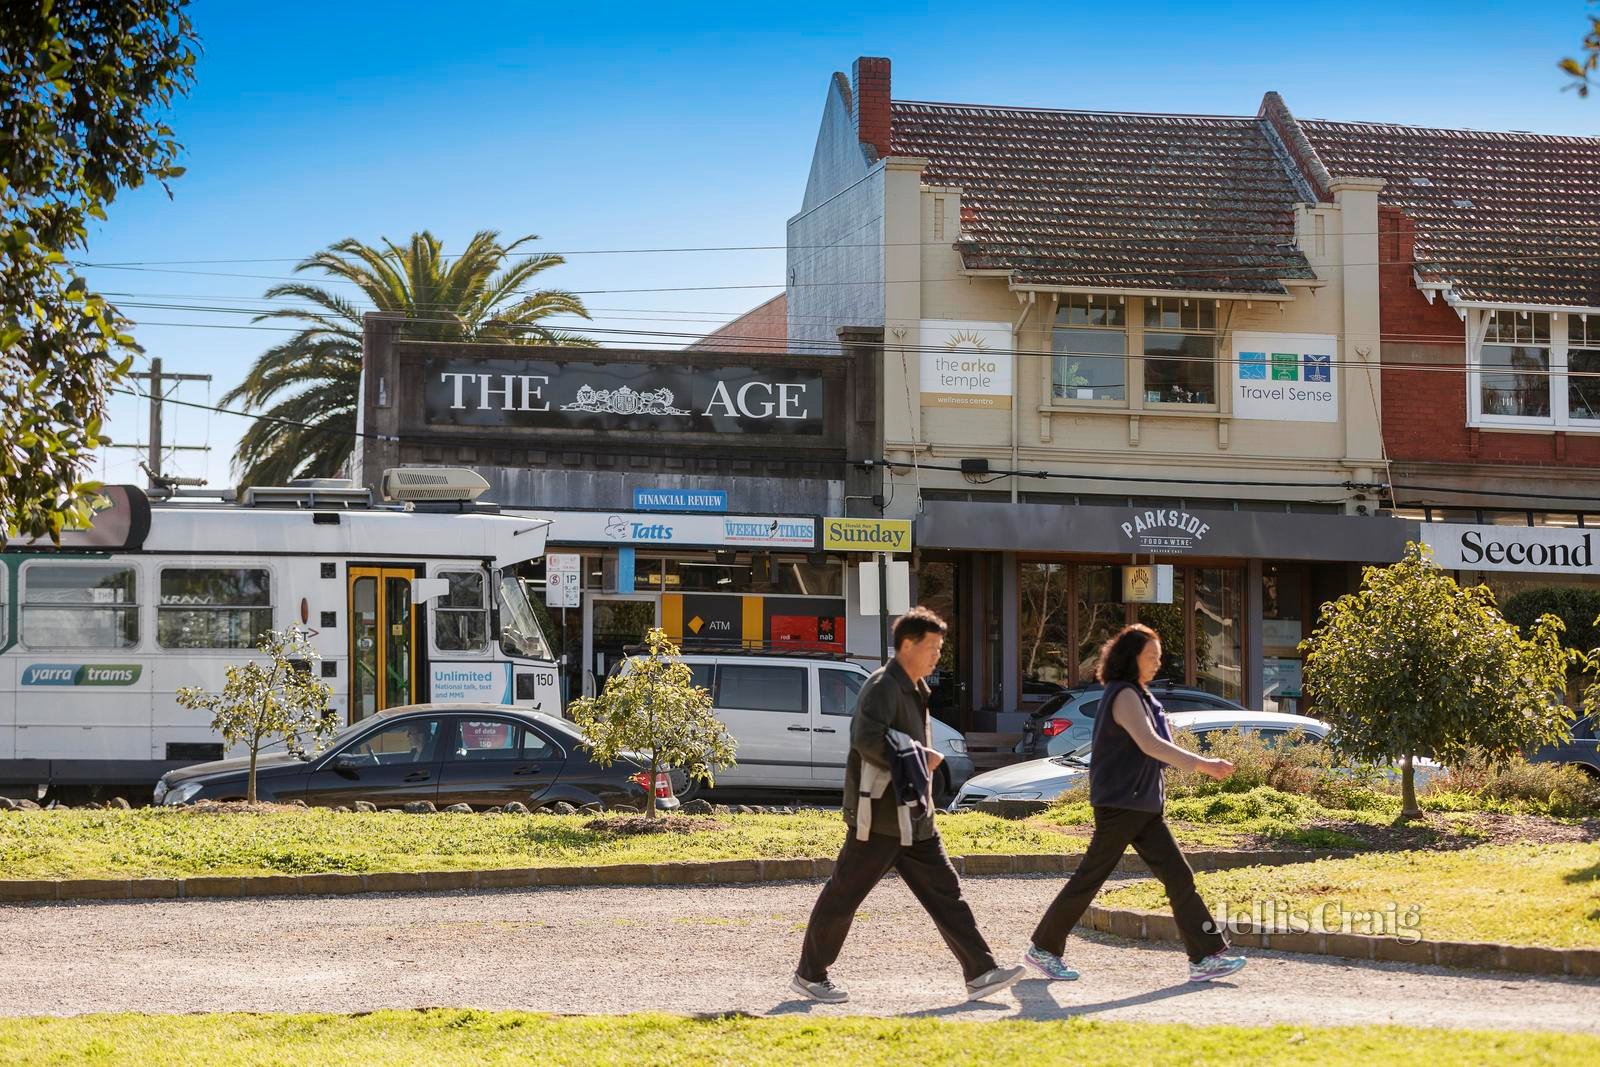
(942, 793)
(692, 788)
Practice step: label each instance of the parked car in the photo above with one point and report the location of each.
(1581, 749)
(485, 755)
(790, 715)
(1066, 721)
(1047, 778)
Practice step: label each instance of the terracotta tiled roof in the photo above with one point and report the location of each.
(1113, 201)
(1500, 217)
(761, 329)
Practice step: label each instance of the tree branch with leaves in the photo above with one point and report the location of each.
(654, 709)
(1413, 664)
(262, 704)
(82, 89)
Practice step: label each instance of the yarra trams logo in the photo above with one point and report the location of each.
(81, 673)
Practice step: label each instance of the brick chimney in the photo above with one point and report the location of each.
(869, 83)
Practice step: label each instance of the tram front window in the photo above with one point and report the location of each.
(520, 634)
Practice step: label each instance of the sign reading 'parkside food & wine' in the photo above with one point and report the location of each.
(542, 394)
(1551, 549)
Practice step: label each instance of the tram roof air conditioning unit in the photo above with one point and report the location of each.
(433, 483)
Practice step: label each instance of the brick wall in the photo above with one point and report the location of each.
(869, 79)
(1425, 410)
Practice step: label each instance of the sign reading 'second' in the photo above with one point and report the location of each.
(1549, 549)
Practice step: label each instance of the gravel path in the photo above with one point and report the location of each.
(690, 950)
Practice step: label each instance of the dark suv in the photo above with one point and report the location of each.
(1066, 721)
(483, 755)
(1582, 749)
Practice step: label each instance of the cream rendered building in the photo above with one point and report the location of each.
(1109, 341)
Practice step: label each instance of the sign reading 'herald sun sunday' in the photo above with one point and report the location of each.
(1287, 377)
(965, 364)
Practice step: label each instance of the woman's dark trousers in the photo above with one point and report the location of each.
(1114, 830)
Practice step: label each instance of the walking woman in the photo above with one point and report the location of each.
(1131, 745)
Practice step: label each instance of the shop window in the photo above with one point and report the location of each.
(1180, 350)
(79, 605)
(1100, 614)
(461, 616)
(1218, 607)
(1089, 346)
(1042, 593)
(1283, 626)
(1170, 622)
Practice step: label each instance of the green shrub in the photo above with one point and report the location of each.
(1516, 787)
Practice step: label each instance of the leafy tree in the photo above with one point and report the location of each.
(1576, 607)
(654, 708)
(312, 380)
(81, 86)
(262, 704)
(1582, 69)
(1414, 665)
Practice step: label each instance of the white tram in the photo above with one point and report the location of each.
(409, 601)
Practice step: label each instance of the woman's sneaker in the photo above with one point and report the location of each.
(824, 991)
(1215, 965)
(1049, 964)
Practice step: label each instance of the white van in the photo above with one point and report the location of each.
(790, 715)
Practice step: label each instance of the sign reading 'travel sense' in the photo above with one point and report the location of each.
(1285, 377)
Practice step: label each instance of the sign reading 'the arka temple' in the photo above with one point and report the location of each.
(545, 394)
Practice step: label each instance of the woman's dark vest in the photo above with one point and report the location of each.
(1120, 774)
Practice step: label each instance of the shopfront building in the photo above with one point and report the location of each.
(706, 493)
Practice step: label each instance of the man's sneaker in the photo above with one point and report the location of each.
(1049, 964)
(1215, 965)
(993, 981)
(824, 991)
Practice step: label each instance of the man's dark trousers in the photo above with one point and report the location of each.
(1114, 830)
(926, 871)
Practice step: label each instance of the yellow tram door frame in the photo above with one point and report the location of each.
(383, 640)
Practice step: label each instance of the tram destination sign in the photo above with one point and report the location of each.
(544, 394)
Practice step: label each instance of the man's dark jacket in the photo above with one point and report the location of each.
(889, 700)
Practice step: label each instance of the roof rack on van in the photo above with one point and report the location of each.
(739, 648)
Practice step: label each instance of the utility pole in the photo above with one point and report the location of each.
(158, 395)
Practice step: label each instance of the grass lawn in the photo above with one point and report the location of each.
(1531, 894)
(155, 842)
(445, 1036)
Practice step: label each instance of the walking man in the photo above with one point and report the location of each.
(1130, 746)
(894, 702)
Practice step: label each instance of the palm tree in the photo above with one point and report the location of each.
(311, 381)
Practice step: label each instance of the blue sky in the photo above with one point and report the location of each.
(618, 127)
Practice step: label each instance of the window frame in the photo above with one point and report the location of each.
(1088, 302)
(1558, 347)
(860, 679)
(803, 710)
(1158, 306)
(271, 606)
(437, 612)
(133, 608)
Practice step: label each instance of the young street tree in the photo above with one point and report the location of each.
(655, 709)
(261, 704)
(1414, 665)
(82, 88)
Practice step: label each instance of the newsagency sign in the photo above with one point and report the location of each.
(543, 394)
(708, 531)
(1286, 377)
(1548, 549)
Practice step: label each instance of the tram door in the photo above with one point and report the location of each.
(383, 640)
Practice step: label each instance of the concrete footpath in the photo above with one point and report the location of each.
(687, 949)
